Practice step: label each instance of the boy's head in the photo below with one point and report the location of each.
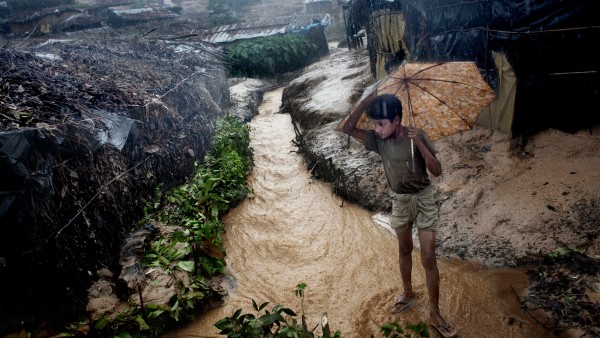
(386, 106)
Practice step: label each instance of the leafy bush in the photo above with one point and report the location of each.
(196, 208)
(272, 55)
(281, 322)
(217, 185)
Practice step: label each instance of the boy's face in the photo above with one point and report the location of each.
(384, 127)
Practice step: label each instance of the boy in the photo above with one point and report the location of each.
(412, 198)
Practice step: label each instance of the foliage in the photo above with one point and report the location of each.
(195, 208)
(281, 322)
(394, 330)
(272, 55)
(217, 185)
(133, 321)
(562, 252)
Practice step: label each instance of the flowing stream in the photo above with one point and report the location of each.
(294, 229)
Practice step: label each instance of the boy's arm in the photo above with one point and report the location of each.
(349, 126)
(433, 164)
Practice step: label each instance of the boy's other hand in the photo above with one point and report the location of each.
(413, 133)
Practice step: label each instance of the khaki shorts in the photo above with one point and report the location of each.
(418, 209)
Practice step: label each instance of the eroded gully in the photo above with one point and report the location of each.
(294, 229)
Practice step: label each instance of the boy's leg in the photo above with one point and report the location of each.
(402, 221)
(432, 276)
(405, 248)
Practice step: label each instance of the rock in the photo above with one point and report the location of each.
(132, 275)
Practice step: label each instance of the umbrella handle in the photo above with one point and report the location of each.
(412, 154)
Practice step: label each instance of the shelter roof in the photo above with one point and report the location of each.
(260, 28)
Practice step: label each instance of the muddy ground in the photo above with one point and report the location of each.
(504, 201)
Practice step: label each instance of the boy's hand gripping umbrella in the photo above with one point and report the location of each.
(441, 98)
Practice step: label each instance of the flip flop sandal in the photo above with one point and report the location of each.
(401, 306)
(446, 330)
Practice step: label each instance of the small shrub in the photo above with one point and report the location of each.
(269, 56)
(281, 322)
(196, 208)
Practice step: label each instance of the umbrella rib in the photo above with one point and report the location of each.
(426, 68)
(405, 77)
(412, 81)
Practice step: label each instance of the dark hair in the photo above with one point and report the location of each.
(386, 106)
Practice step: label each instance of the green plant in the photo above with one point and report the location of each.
(217, 184)
(280, 322)
(194, 209)
(563, 251)
(273, 324)
(271, 55)
(250, 325)
(394, 330)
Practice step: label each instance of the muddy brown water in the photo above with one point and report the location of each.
(294, 229)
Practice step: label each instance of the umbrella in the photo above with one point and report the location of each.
(440, 98)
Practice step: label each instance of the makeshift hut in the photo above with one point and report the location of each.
(536, 55)
(88, 129)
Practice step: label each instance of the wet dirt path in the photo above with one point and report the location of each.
(294, 229)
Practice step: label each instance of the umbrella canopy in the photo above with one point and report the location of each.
(440, 98)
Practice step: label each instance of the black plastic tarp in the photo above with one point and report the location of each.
(549, 44)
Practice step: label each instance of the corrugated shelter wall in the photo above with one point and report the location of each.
(386, 30)
(547, 43)
(386, 35)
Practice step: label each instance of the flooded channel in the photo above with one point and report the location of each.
(294, 229)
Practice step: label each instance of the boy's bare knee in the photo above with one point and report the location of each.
(428, 259)
(406, 250)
